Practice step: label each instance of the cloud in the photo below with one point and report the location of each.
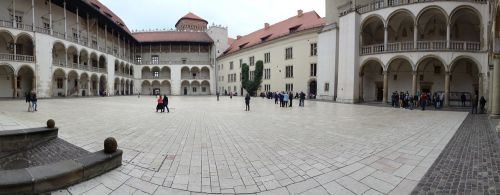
(240, 16)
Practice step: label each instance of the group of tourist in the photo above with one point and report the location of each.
(32, 101)
(285, 99)
(424, 99)
(162, 104)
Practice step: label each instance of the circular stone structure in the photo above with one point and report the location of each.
(51, 123)
(110, 145)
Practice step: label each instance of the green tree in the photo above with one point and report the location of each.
(252, 86)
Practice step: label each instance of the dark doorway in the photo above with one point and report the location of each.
(313, 87)
(185, 90)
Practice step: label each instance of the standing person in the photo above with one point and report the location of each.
(474, 102)
(482, 103)
(247, 102)
(276, 98)
(230, 95)
(290, 95)
(423, 101)
(27, 95)
(281, 99)
(165, 103)
(159, 105)
(302, 97)
(34, 101)
(217, 95)
(285, 99)
(463, 98)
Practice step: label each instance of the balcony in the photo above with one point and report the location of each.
(61, 63)
(195, 78)
(174, 62)
(159, 78)
(17, 58)
(421, 46)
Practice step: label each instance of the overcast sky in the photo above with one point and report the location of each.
(241, 16)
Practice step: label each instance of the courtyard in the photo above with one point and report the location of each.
(209, 146)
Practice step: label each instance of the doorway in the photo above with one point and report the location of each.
(185, 90)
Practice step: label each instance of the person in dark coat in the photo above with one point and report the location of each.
(276, 98)
(27, 95)
(165, 103)
(290, 95)
(34, 101)
(217, 95)
(474, 103)
(247, 102)
(159, 106)
(482, 103)
(302, 97)
(463, 98)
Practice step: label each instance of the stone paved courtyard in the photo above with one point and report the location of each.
(216, 147)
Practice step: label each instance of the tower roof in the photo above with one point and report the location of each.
(191, 16)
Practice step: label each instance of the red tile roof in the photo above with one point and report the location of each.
(107, 12)
(297, 23)
(192, 17)
(230, 41)
(172, 36)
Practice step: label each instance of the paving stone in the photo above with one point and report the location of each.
(335, 188)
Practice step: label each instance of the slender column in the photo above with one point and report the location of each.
(106, 38)
(495, 101)
(33, 13)
(119, 45)
(14, 85)
(385, 38)
(14, 22)
(97, 33)
(88, 86)
(386, 88)
(415, 35)
(65, 22)
(361, 98)
(414, 83)
(50, 17)
(34, 83)
(77, 87)
(77, 26)
(88, 30)
(481, 86)
(65, 86)
(448, 36)
(447, 89)
(98, 86)
(15, 50)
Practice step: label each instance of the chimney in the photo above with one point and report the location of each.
(238, 37)
(266, 25)
(300, 13)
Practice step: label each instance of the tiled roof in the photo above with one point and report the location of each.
(192, 17)
(107, 12)
(172, 36)
(230, 41)
(286, 27)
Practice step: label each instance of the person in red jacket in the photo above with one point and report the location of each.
(160, 106)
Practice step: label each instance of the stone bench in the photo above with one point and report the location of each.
(22, 139)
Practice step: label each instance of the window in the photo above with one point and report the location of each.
(155, 59)
(138, 59)
(184, 60)
(251, 75)
(267, 73)
(251, 60)
(231, 65)
(241, 62)
(46, 25)
(194, 89)
(267, 57)
(203, 89)
(288, 53)
(289, 87)
(267, 87)
(18, 18)
(156, 74)
(313, 69)
(327, 87)
(289, 72)
(59, 83)
(314, 49)
(294, 29)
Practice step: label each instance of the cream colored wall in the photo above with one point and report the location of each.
(301, 63)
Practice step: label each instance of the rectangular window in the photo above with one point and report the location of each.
(267, 73)
(327, 87)
(313, 69)
(267, 57)
(251, 61)
(155, 59)
(314, 49)
(231, 65)
(138, 59)
(289, 72)
(156, 74)
(228, 78)
(267, 87)
(194, 89)
(59, 83)
(289, 87)
(203, 89)
(251, 75)
(288, 53)
(241, 62)
(46, 25)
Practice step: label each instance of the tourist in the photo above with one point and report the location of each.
(28, 100)
(393, 98)
(247, 102)
(225, 91)
(217, 95)
(423, 100)
(165, 103)
(482, 103)
(285, 99)
(281, 99)
(302, 97)
(463, 98)
(474, 102)
(230, 95)
(159, 106)
(276, 98)
(290, 95)
(34, 101)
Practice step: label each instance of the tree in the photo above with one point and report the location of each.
(252, 86)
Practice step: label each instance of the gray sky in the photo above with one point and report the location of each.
(241, 16)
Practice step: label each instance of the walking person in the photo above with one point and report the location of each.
(474, 102)
(27, 95)
(165, 103)
(423, 101)
(230, 95)
(34, 101)
(247, 102)
(217, 95)
(276, 98)
(302, 97)
(290, 95)
(285, 99)
(482, 103)
(281, 99)
(463, 98)
(159, 105)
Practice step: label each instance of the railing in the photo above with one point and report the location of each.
(361, 9)
(421, 46)
(6, 57)
(195, 78)
(153, 77)
(58, 35)
(26, 27)
(174, 62)
(43, 30)
(20, 58)
(8, 24)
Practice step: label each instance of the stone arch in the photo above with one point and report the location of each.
(205, 72)
(464, 77)
(465, 24)
(146, 87)
(205, 87)
(165, 87)
(439, 19)
(185, 73)
(7, 80)
(156, 86)
(371, 80)
(195, 88)
(84, 84)
(146, 72)
(26, 79)
(401, 26)
(117, 67)
(185, 87)
(372, 30)
(103, 85)
(72, 55)
(431, 72)
(94, 82)
(166, 73)
(58, 54)
(84, 58)
(400, 75)
(94, 59)
(103, 64)
(402, 57)
(461, 57)
(25, 44)
(419, 62)
(371, 59)
(59, 82)
(6, 42)
(72, 82)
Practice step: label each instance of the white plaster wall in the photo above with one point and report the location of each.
(327, 62)
(347, 89)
